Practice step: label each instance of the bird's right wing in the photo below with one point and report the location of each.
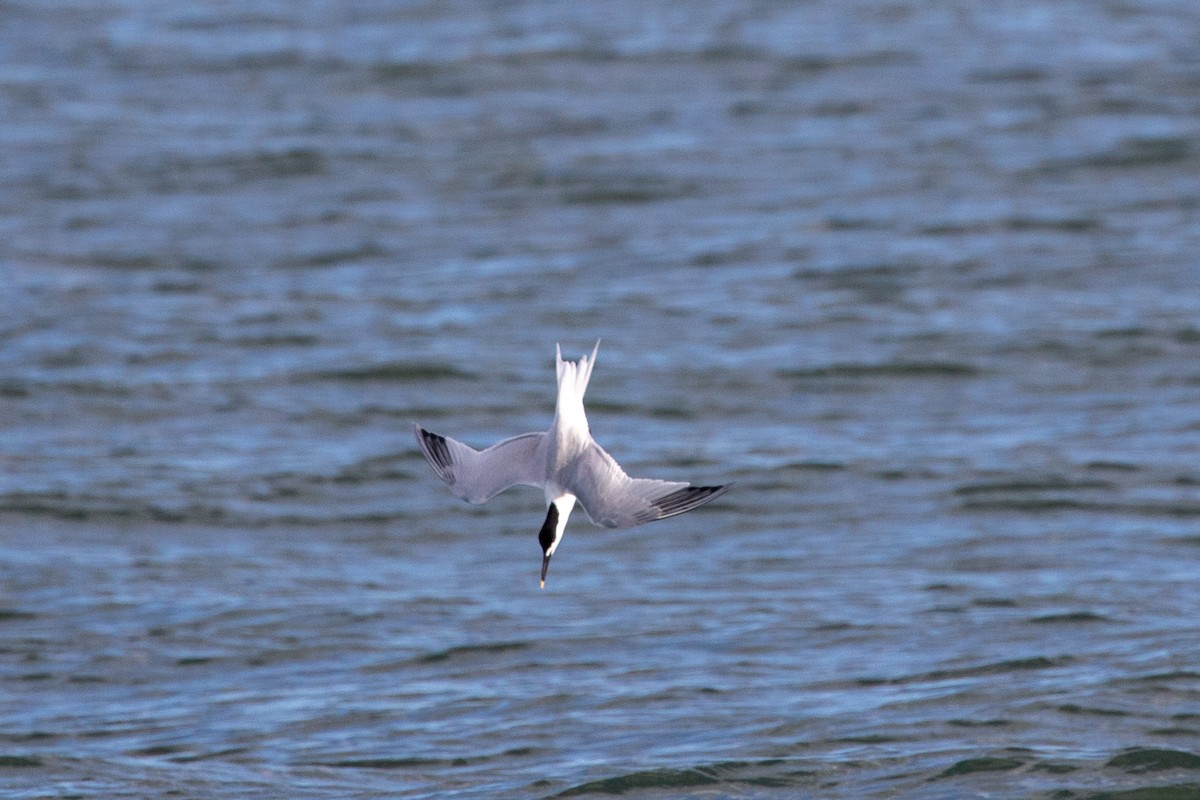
(479, 475)
(614, 500)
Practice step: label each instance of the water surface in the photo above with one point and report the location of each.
(920, 279)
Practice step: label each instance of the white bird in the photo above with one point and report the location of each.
(567, 464)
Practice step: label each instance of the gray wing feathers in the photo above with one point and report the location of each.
(479, 475)
(614, 500)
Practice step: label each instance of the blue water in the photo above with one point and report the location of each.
(920, 279)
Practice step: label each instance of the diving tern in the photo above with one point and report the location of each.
(567, 464)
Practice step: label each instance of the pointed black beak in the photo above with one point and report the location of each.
(545, 566)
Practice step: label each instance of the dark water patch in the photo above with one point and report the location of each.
(1069, 618)
(1054, 504)
(1151, 759)
(179, 172)
(470, 650)
(1073, 708)
(944, 587)
(880, 283)
(96, 388)
(218, 61)
(856, 275)
(210, 755)
(588, 188)
(841, 108)
(1019, 486)
(946, 609)
(900, 369)
(1176, 730)
(194, 661)
(725, 52)
(1180, 791)
(10, 614)
(1009, 74)
(627, 192)
(769, 774)
(834, 627)
(1054, 767)
(689, 462)
(982, 764)
(1187, 335)
(995, 668)
(954, 227)
(317, 519)
(68, 357)
(994, 602)
(715, 258)
(157, 750)
(1175, 675)
(393, 763)
(1127, 332)
(430, 78)
(1112, 466)
(61, 505)
(333, 256)
(839, 222)
(288, 163)
(12, 387)
(650, 779)
(54, 505)
(392, 372)
(1129, 153)
(868, 738)
(286, 487)
(980, 723)
(31, 736)
(1053, 224)
(11, 762)
(814, 466)
(1143, 151)
(1035, 505)
(130, 260)
(85, 679)
(377, 468)
(278, 655)
(812, 62)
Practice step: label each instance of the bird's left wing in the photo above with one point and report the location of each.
(479, 475)
(614, 500)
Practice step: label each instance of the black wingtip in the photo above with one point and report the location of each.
(437, 451)
(687, 498)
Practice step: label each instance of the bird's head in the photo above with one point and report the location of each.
(552, 530)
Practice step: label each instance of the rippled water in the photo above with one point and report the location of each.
(921, 278)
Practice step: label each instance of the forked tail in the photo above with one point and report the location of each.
(573, 376)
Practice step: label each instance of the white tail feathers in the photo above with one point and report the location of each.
(573, 376)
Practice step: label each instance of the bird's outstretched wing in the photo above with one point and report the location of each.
(479, 475)
(614, 500)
